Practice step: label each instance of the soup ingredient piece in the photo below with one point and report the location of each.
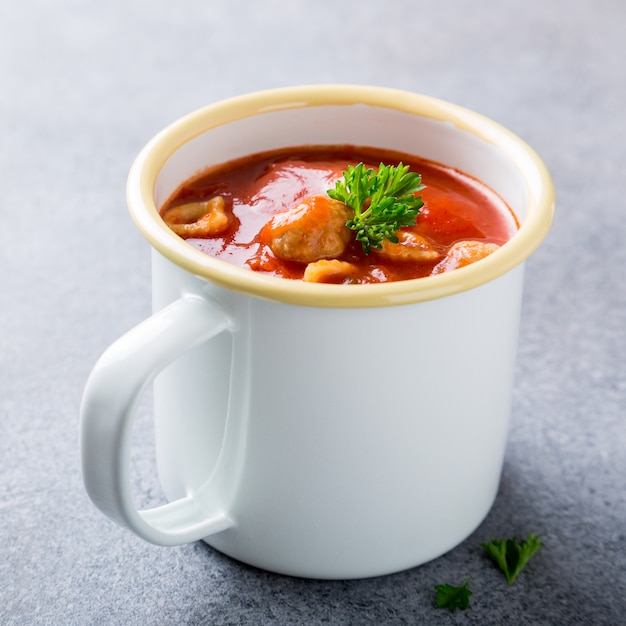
(383, 202)
(451, 597)
(410, 247)
(199, 219)
(512, 556)
(330, 271)
(312, 230)
(464, 253)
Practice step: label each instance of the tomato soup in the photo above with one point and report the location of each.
(243, 198)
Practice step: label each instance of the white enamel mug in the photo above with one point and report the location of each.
(325, 431)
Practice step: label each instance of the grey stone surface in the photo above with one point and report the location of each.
(84, 85)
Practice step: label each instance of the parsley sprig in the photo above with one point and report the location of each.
(512, 556)
(383, 202)
(451, 597)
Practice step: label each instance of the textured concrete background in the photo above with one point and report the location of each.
(84, 85)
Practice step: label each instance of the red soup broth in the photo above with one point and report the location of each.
(457, 207)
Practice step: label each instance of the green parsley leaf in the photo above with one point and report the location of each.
(451, 597)
(383, 202)
(512, 556)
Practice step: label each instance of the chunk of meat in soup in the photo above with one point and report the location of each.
(312, 230)
(199, 219)
(464, 253)
(410, 248)
(330, 271)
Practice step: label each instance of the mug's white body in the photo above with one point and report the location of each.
(357, 442)
(327, 431)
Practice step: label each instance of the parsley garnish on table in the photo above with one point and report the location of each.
(383, 202)
(453, 598)
(512, 556)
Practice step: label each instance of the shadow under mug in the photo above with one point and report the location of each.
(324, 431)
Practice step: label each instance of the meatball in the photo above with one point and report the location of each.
(312, 230)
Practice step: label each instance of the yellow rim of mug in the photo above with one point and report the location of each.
(148, 164)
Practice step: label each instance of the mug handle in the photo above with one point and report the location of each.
(108, 408)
